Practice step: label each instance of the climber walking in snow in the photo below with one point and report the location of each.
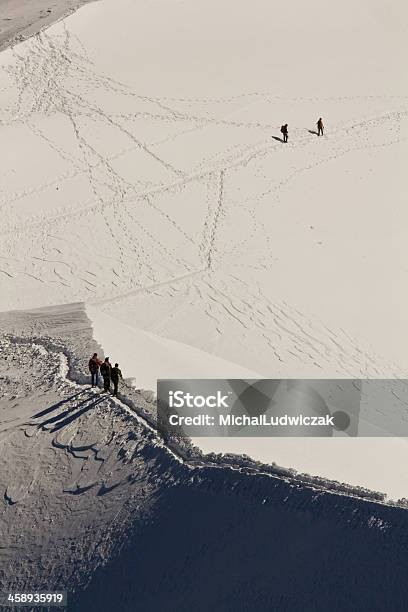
(116, 374)
(106, 370)
(284, 131)
(93, 365)
(320, 127)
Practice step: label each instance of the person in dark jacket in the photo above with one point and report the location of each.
(115, 375)
(284, 130)
(93, 365)
(320, 127)
(106, 370)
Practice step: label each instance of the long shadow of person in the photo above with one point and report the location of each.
(78, 414)
(60, 403)
(313, 132)
(278, 139)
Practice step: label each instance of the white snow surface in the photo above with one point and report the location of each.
(141, 173)
(367, 462)
(146, 357)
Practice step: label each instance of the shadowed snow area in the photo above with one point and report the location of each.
(96, 503)
(21, 19)
(142, 173)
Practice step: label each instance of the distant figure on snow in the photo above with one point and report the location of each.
(106, 370)
(284, 130)
(93, 365)
(320, 127)
(115, 375)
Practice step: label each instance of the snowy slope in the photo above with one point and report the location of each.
(146, 357)
(142, 173)
(94, 502)
(169, 202)
(371, 462)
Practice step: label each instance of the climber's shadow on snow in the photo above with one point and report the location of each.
(82, 402)
(313, 132)
(61, 415)
(278, 139)
(73, 416)
(59, 404)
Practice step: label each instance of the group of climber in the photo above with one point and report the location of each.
(108, 373)
(319, 124)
